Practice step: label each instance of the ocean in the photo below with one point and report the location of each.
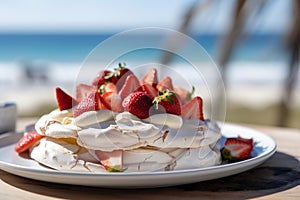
(75, 47)
(32, 65)
(61, 55)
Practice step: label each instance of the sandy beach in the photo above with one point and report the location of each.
(37, 96)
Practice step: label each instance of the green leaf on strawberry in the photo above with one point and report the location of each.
(169, 101)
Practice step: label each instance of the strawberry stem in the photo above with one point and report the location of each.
(101, 89)
(166, 95)
(190, 94)
(116, 72)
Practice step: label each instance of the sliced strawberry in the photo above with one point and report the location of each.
(236, 149)
(91, 102)
(150, 78)
(165, 84)
(83, 90)
(102, 77)
(138, 104)
(250, 141)
(150, 90)
(183, 94)
(169, 101)
(119, 75)
(64, 100)
(112, 101)
(27, 141)
(112, 161)
(131, 84)
(108, 87)
(193, 109)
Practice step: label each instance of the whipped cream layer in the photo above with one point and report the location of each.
(160, 142)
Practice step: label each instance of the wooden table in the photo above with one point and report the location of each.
(277, 178)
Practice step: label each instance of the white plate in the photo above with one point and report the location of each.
(9, 161)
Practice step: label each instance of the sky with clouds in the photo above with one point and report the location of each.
(116, 15)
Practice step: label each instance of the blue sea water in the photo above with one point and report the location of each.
(75, 47)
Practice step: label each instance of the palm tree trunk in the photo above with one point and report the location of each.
(290, 81)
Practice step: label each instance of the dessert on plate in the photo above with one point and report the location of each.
(120, 123)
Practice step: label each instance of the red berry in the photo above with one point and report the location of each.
(102, 77)
(108, 87)
(83, 90)
(150, 78)
(165, 84)
(131, 84)
(91, 102)
(27, 141)
(150, 90)
(119, 75)
(112, 101)
(193, 109)
(236, 149)
(138, 104)
(169, 101)
(64, 100)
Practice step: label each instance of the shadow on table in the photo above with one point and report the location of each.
(271, 177)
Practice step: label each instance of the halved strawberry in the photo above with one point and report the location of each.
(27, 141)
(112, 101)
(164, 84)
(236, 149)
(193, 109)
(91, 102)
(150, 90)
(183, 94)
(131, 84)
(169, 101)
(83, 90)
(112, 161)
(150, 78)
(64, 101)
(102, 77)
(119, 75)
(138, 104)
(108, 87)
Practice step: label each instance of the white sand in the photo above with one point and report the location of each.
(254, 87)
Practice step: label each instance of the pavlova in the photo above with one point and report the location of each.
(122, 124)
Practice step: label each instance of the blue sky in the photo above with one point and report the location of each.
(117, 15)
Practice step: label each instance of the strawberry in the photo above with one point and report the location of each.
(119, 75)
(112, 161)
(108, 87)
(236, 149)
(27, 141)
(91, 102)
(102, 77)
(150, 90)
(193, 109)
(183, 94)
(112, 101)
(169, 101)
(83, 90)
(64, 100)
(138, 104)
(150, 78)
(164, 84)
(131, 84)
